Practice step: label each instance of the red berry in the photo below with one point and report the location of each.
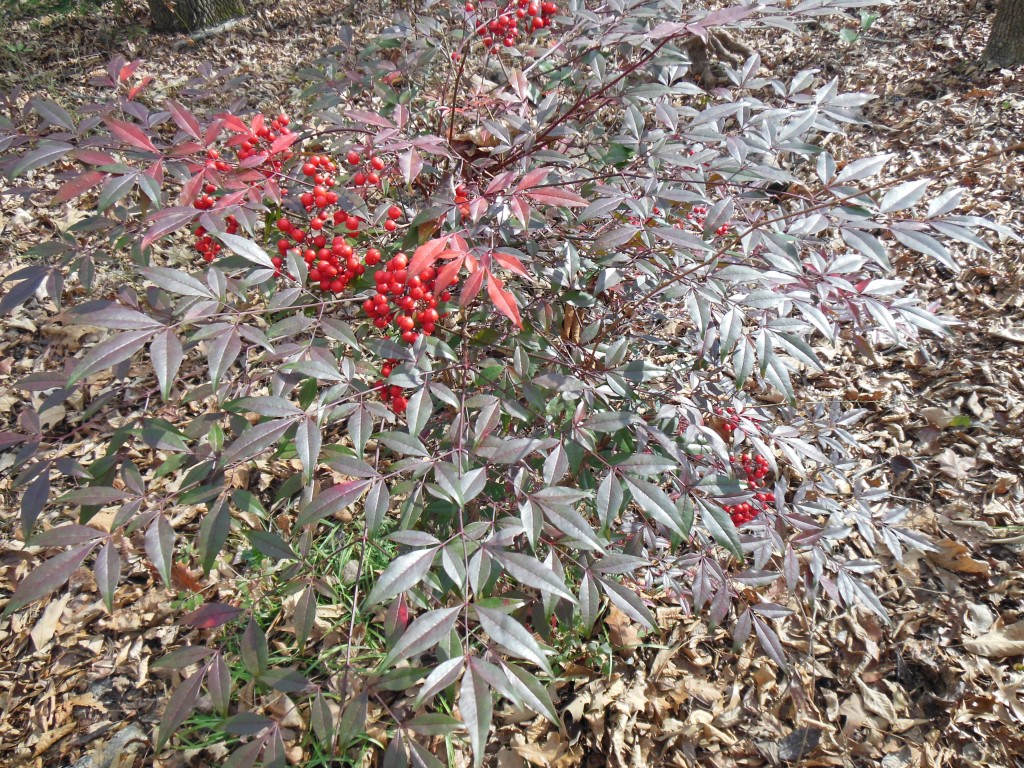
(399, 403)
(352, 157)
(376, 163)
(394, 212)
(390, 225)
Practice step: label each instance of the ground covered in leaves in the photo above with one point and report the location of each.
(942, 686)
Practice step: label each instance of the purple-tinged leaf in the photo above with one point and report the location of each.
(254, 648)
(656, 503)
(533, 573)
(254, 441)
(53, 113)
(66, 536)
(184, 119)
(246, 724)
(99, 495)
(423, 634)
(270, 544)
(218, 683)
(404, 573)
(166, 221)
(34, 501)
(375, 506)
(118, 318)
(284, 680)
(531, 691)
(183, 702)
(440, 677)
(770, 642)
(159, 541)
(476, 706)
(513, 636)
(48, 577)
(321, 720)
(305, 615)
(247, 249)
(434, 724)
(353, 719)
(422, 757)
(221, 353)
(210, 615)
(48, 152)
(166, 353)
(109, 353)
(245, 756)
(182, 657)
(213, 532)
(629, 603)
(721, 527)
(331, 501)
(175, 281)
(904, 196)
(307, 445)
(107, 570)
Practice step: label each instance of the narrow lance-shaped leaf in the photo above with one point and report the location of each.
(254, 648)
(477, 707)
(404, 573)
(107, 571)
(109, 353)
(183, 702)
(48, 577)
(166, 353)
(512, 635)
(160, 547)
(422, 635)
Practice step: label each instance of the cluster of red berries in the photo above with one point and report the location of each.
(331, 258)
(259, 139)
(390, 393)
(207, 247)
(406, 301)
(756, 471)
(517, 18)
(730, 419)
(696, 216)
(247, 141)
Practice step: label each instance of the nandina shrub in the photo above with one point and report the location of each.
(540, 312)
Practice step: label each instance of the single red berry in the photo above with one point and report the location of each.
(353, 157)
(390, 225)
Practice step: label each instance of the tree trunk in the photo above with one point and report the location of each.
(1006, 42)
(190, 15)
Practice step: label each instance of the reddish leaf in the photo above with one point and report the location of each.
(472, 287)
(46, 578)
(93, 157)
(77, 186)
(210, 615)
(159, 541)
(185, 119)
(426, 255)
(410, 163)
(557, 196)
(131, 134)
(446, 274)
(254, 648)
(511, 263)
(533, 178)
(182, 702)
(477, 707)
(108, 572)
(503, 300)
